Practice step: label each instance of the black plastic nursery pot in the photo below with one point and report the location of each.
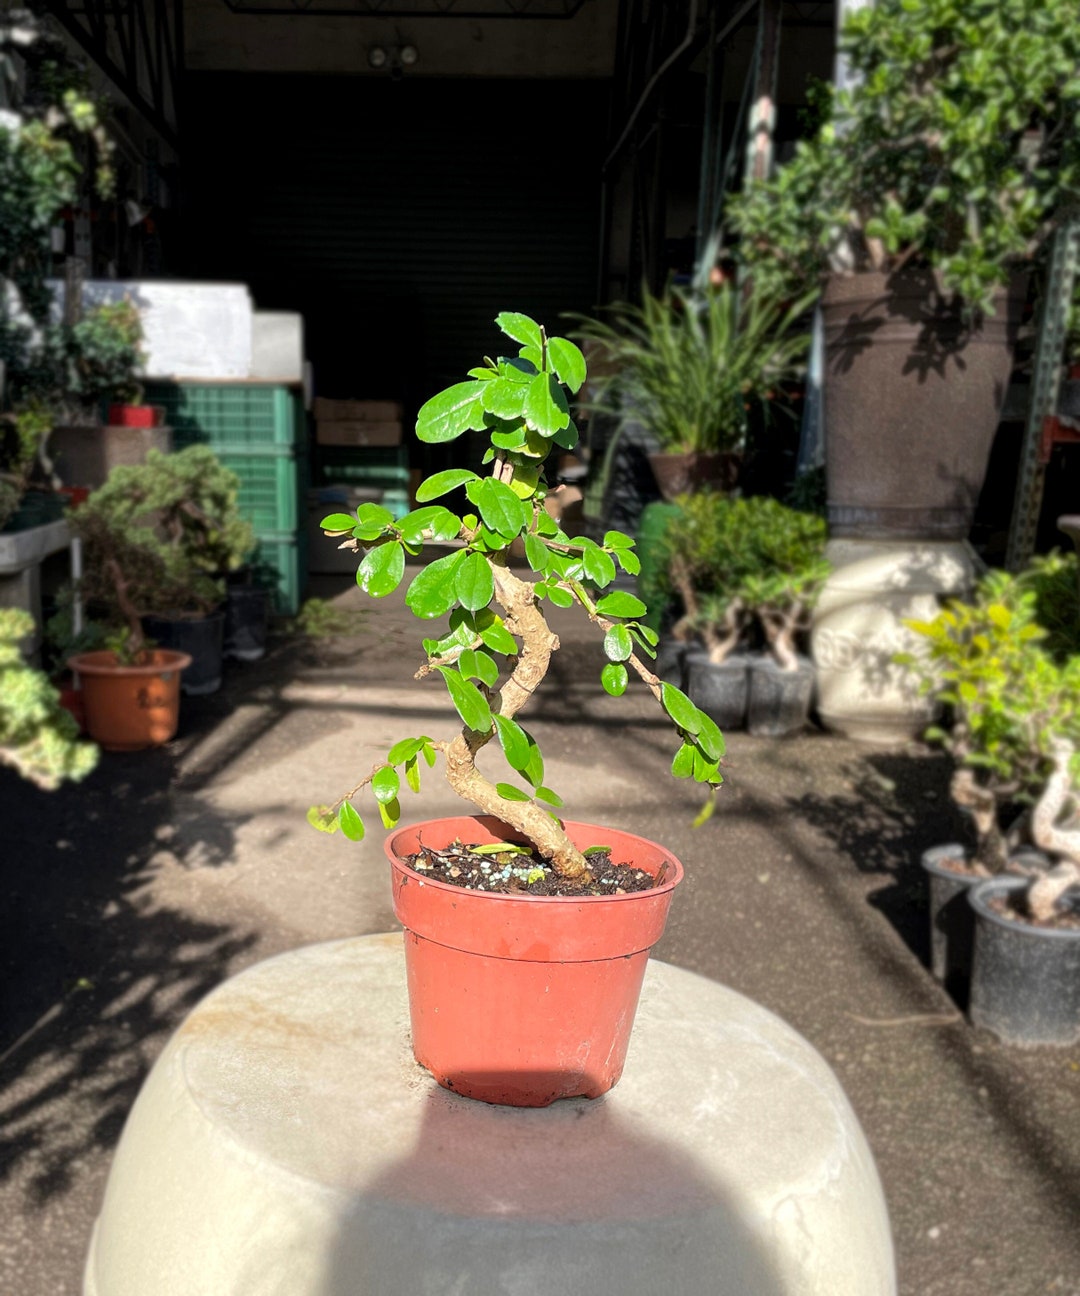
(952, 919)
(202, 638)
(247, 614)
(1025, 980)
(720, 689)
(778, 700)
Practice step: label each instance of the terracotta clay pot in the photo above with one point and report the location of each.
(521, 999)
(683, 474)
(129, 708)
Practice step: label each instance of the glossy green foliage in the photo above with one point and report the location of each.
(956, 148)
(1006, 697)
(521, 401)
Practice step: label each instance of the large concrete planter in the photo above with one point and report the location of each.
(21, 556)
(912, 397)
(859, 627)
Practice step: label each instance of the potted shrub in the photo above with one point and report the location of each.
(1025, 981)
(52, 127)
(690, 369)
(526, 934)
(101, 357)
(38, 737)
(1011, 690)
(927, 189)
(787, 571)
(171, 526)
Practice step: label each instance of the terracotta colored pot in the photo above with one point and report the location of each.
(520, 999)
(683, 474)
(128, 708)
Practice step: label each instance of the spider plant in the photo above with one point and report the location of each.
(690, 367)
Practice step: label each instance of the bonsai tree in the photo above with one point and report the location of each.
(38, 737)
(493, 661)
(689, 368)
(731, 561)
(158, 537)
(955, 149)
(788, 568)
(1013, 706)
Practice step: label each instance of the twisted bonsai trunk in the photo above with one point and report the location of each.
(1045, 892)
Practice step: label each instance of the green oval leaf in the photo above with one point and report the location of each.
(475, 664)
(382, 569)
(431, 592)
(500, 508)
(451, 412)
(390, 813)
(617, 644)
(385, 783)
(499, 639)
(520, 327)
(504, 398)
(567, 361)
(709, 737)
(536, 553)
(618, 540)
(405, 750)
(351, 823)
(510, 793)
(442, 483)
(338, 522)
(469, 702)
(680, 708)
(545, 407)
(599, 566)
(559, 596)
(621, 604)
(474, 583)
(546, 794)
(683, 764)
(412, 774)
(434, 521)
(614, 678)
(514, 742)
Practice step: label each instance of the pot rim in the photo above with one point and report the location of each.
(928, 860)
(979, 896)
(673, 869)
(97, 663)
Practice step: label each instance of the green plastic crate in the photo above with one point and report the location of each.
(280, 563)
(269, 487)
(378, 466)
(228, 417)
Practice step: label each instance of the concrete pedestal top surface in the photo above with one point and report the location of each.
(287, 1144)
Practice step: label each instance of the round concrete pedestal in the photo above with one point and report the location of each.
(859, 626)
(286, 1144)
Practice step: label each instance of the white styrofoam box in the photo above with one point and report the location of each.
(191, 330)
(277, 347)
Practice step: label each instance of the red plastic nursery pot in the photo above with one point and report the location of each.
(143, 416)
(521, 999)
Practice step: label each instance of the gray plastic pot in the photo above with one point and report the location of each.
(779, 700)
(670, 664)
(721, 689)
(1025, 980)
(247, 609)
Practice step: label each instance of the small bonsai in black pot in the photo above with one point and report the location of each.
(1005, 667)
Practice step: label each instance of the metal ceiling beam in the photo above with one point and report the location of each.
(139, 45)
(543, 9)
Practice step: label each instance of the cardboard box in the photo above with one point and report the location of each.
(357, 432)
(355, 411)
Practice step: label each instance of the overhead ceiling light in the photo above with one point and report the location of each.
(409, 54)
(376, 57)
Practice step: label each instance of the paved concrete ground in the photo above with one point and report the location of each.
(128, 898)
